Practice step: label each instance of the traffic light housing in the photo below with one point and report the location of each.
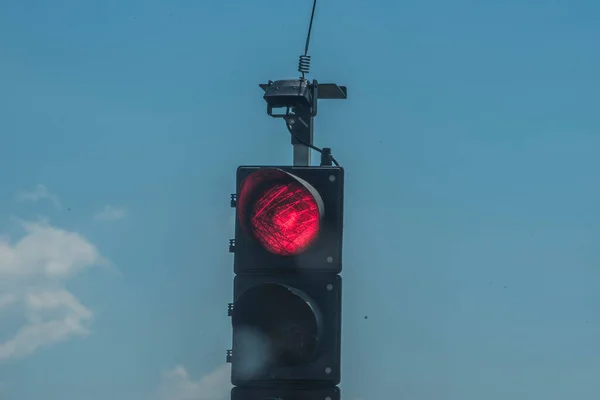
(289, 218)
(282, 393)
(286, 313)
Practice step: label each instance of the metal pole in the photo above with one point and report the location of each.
(301, 155)
(302, 131)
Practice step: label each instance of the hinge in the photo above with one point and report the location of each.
(233, 200)
(232, 245)
(229, 309)
(229, 356)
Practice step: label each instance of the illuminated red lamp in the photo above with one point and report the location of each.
(281, 211)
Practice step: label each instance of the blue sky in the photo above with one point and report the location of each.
(470, 142)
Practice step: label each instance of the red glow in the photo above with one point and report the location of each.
(285, 219)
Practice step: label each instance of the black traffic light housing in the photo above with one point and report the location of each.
(325, 254)
(267, 306)
(284, 393)
(287, 307)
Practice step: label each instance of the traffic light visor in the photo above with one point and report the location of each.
(281, 211)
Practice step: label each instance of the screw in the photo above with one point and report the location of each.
(329, 287)
(327, 370)
(329, 259)
(331, 178)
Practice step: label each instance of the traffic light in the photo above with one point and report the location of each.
(286, 314)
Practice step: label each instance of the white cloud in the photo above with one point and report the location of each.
(110, 213)
(33, 272)
(39, 193)
(176, 384)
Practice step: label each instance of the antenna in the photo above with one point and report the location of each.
(299, 98)
(304, 62)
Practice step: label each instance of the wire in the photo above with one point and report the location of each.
(310, 146)
(312, 16)
(304, 63)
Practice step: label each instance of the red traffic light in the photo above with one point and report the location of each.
(285, 219)
(281, 211)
